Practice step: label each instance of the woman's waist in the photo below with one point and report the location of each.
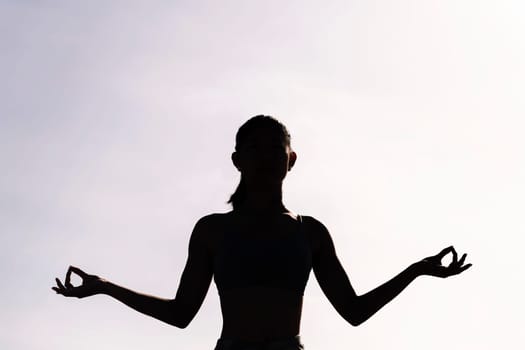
(257, 311)
(268, 343)
(260, 329)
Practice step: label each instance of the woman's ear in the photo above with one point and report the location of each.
(293, 159)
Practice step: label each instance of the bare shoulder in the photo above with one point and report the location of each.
(209, 219)
(318, 232)
(208, 227)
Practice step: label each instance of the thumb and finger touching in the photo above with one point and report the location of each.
(68, 289)
(454, 267)
(77, 271)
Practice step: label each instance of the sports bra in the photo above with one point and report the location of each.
(246, 261)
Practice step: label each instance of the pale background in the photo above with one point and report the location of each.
(118, 119)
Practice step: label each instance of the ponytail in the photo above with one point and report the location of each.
(238, 196)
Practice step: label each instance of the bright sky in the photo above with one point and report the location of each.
(118, 120)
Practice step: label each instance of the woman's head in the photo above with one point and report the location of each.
(263, 153)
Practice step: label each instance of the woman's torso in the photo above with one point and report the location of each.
(260, 269)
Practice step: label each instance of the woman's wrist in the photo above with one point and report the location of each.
(105, 287)
(416, 269)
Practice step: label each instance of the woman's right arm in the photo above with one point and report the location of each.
(178, 312)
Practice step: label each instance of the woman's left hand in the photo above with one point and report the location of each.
(432, 266)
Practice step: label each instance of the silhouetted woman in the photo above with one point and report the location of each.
(260, 255)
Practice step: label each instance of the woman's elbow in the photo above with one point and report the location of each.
(179, 323)
(354, 315)
(178, 317)
(356, 321)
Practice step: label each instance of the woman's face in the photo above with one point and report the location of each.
(264, 156)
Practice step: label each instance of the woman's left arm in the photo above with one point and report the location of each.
(369, 303)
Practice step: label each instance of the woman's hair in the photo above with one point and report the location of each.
(255, 123)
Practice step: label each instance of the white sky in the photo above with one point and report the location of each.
(117, 124)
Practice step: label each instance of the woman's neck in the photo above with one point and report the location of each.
(263, 201)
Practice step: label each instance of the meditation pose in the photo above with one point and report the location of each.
(260, 255)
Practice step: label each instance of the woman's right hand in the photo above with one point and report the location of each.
(91, 284)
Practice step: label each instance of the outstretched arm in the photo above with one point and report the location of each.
(337, 287)
(368, 304)
(179, 312)
(374, 300)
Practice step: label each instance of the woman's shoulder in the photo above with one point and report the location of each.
(208, 228)
(212, 221)
(315, 223)
(317, 231)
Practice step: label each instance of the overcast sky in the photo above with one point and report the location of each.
(118, 119)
